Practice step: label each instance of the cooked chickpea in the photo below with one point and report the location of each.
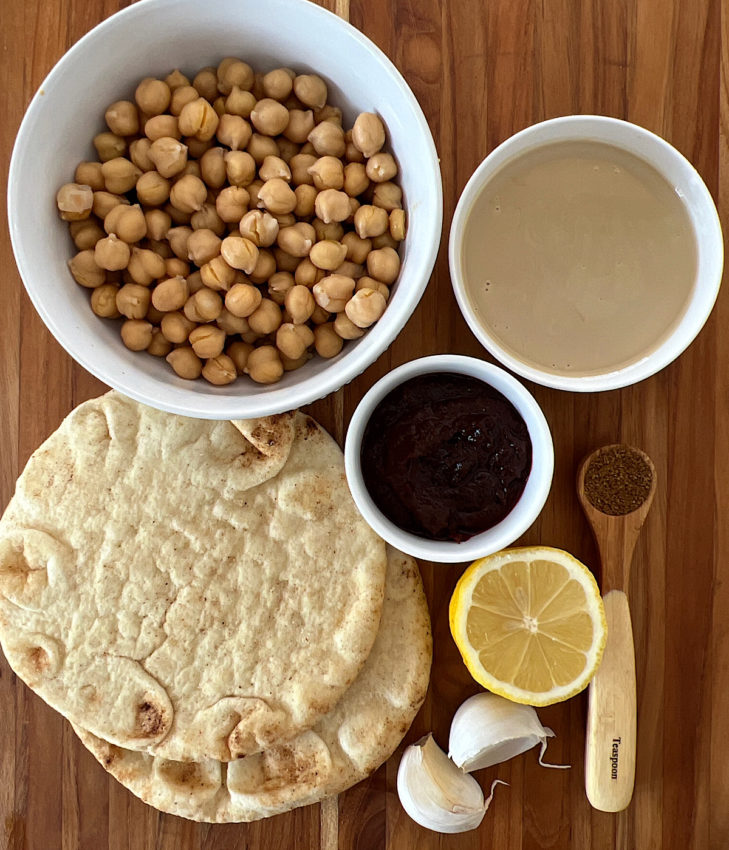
(332, 205)
(279, 284)
(381, 167)
(327, 173)
(190, 311)
(365, 307)
(219, 370)
(152, 96)
(207, 218)
(217, 274)
(233, 131)
(277, 196)
(299, 303)
(175, 266)
(120, 175)
(297, 239)
(202, 246)
(285, 219)
(326, 340)
(181, 96)
(353, 270)
(207, 341)
(239, 353)
(169, 156)
(153, 189)
(332, 292)
(287, 149)
(90, 174)
(320, 316)
(74, 201)
(176, 79)
(185, 362)
(383, 265)
(178, 237)
(122, 118)
(346, 328)
(170, 294)
(307, 274)
(300, 165)
(331, 230)
(239, 253)
(357, 248)
(385, 240)
(328, 139)
(198, 119)
(354, 205)
(154, 315)
(158, 224)
(366, 282)
(285, 262)
(260, 147)
(188, 194)
(232, 203)
(136, 334)
(260, 227)
(305, 200)
(132, 301)
(293, 340)
(368, 134)
(205, 82)
(301, 123)
(208, 304)
(127, 222)
(234, 72)
(398, 225)
(274, 166)
(311, 90)
(162, 249)
(328, 113)
(351, 154)
(388, 196)
(266, 318)
(269, 117)
(370, 221)
(264, 268)
(197, 147)
(85, 233)
(240, 168)
(356, 180)
(111, 253)
(162, 126)
(264, 365)
(328, 254)
(176, 327)
(103, 301)
(240, 102)
(139, 154)
(145, 266)
(242, 299)
(212, 167)
(159, 346)
(104, 202)
(109, 146)
(278, 84)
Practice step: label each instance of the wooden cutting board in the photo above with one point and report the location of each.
(481, 71)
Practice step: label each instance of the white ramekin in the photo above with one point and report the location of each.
(525, 511)
(676, 169)
(151, 38)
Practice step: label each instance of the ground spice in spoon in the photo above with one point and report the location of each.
(618, 481)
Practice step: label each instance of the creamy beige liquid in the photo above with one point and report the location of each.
(580, 258)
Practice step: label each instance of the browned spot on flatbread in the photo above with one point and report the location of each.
(38, 659)
(288, 771)
(151, 719)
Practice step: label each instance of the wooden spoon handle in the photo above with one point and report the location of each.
(611, 715)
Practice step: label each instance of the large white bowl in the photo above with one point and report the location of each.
(524, 512)
(150, 39)
(676, 169)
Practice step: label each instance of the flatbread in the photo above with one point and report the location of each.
(188, 588)
(344, 747)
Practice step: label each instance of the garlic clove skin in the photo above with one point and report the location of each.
(488, 729)
(437, 794)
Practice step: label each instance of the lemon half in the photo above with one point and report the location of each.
(529, 623)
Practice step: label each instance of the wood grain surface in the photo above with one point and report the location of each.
(481, 71)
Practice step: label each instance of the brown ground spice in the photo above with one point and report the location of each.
(618, 481)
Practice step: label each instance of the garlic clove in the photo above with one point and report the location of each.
(437, 794)
(488, 729)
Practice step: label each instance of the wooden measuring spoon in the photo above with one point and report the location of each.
(611, 717)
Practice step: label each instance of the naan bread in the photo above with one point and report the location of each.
(344, 747)
(187, 588)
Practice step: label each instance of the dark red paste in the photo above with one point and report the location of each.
(445, 456)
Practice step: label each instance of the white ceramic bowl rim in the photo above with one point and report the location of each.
(191, 398)
(662, 156)
(525, 511)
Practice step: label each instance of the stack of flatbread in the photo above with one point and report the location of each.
(204, 603)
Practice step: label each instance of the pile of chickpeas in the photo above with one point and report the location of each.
(233, 224)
